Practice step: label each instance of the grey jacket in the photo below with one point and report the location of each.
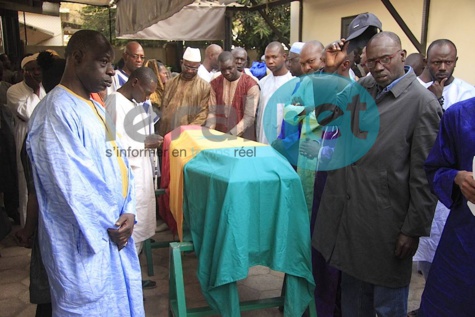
(367, 204)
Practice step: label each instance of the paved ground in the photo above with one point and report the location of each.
(261, 283)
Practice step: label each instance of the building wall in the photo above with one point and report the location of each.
(322, 21)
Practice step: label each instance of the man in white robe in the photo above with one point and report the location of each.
(22, 99)
(130, 121)
(268, 124)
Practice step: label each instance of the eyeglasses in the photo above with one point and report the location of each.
(192, 68)
(371, 63)
(135, 56)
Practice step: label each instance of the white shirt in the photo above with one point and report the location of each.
(271, 122)
(205, 74)
(130, 121)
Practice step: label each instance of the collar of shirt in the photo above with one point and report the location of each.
(388, 88)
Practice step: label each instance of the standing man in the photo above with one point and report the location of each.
(186, 96)
(233, 100)
(210, 63)
(373, 211)
(240, 58)
(22, 99)
(269, 122)
(293, 60)
(131, 125)
(449, 287)
(442, 59)
(84, 190)
(134, 57)
(311, 57)
(417, 62)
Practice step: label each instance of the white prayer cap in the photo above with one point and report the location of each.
(28, 59)
(192, 55)
(297, 47)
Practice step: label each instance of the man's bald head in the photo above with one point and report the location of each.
(89, 59)
(211, 57)
(310, 57)
(385, 58)
(240, 57)
(276, 46)
(275, 58)
(417, 62)
(134, 57)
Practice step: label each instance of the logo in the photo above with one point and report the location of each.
(328, 122)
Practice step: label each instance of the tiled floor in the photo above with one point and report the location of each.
(261, 283)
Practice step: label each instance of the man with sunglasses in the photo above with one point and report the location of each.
(374, 209)
(186, 96)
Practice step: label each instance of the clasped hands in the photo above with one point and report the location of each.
(124, 228)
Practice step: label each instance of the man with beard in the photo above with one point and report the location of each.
(84, 189)
(233, 100)
(186, 96)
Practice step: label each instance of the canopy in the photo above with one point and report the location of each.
(132, 17)
(197, 22)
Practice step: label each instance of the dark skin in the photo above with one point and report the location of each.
(465, 181)
(90, 71)
(406, 246)
(32, 76)
(134, 89)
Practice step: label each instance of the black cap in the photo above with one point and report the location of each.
(361, 29)
(361, 23)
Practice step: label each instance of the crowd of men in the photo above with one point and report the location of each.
(372, 133)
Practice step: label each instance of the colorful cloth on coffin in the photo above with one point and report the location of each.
(184, 143)
(244, 209)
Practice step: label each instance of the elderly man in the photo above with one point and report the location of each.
(210, 63)
(134, 57)
(84, 189)
(375, 208)
(186, 96)
(293, 60)
(240, 58)
(269, 121)
(22, 99)
(233, 100)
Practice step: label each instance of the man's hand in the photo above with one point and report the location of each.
(153, 141)
(406, 246)
(121, 234)
(309, 148)
(31, 82)
(437, 88)
(465, 181)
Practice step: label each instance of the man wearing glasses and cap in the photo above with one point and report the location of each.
(22, 99)
(374, 210)
(186, 96)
